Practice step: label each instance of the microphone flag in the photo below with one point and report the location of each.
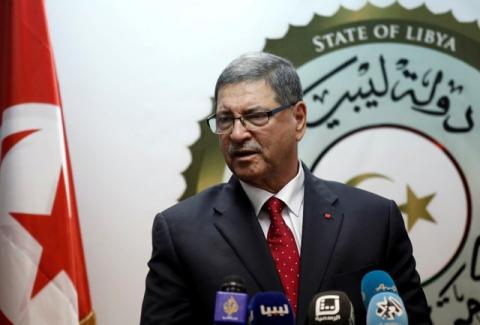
(231, 308)
(270, 308)
(331, 307)
(231, 301)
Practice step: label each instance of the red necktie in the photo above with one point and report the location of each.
(284, 250)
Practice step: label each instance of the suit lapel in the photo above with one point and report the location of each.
(321, 226)
(239, 225)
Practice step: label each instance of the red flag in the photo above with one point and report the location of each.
(43, 277)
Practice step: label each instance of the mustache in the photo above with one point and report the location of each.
(249, 146)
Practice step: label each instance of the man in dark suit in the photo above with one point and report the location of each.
(314, 236)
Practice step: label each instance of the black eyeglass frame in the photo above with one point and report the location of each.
(242, 118)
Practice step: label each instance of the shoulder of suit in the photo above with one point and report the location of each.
(347, 192)
(195, 204)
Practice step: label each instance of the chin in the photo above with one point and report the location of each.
(250, 171)
(245, 173)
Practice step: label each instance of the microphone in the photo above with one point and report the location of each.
(331, 307)
(270, 308)
(375, 282)
(231, 302)
(386, 308)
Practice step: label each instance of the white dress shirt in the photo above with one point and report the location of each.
(291, 194)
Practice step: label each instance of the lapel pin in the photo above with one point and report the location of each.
(327, 215)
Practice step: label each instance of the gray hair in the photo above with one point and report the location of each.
(278, 72)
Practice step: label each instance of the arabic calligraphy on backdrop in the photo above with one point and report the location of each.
(452, 292)
(417, 90)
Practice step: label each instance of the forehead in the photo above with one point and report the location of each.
(244, 95)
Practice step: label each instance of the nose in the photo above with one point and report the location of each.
(239, 132)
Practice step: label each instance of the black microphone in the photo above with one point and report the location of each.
(231, 302)
(331, 307)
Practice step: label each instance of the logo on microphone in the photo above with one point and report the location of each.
(384, 288)
(230, 307)
(389, 309)
(271, 311)
(327, 308)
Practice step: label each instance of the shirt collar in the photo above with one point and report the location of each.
(291, 194)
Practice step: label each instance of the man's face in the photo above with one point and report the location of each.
(265, 156)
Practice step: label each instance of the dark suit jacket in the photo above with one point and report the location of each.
(215, 233)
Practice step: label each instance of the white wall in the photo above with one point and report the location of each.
(135, 78)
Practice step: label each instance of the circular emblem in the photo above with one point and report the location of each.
(403, 164)
(393, 108)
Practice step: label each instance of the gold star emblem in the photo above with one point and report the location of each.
(416, 208)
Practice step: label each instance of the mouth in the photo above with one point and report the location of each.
(244, 153)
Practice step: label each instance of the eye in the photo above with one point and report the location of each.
(224, 121)
(257, 118)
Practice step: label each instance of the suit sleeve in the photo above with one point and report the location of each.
(401, 266)
(167, 299)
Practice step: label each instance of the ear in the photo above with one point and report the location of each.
(300, 115)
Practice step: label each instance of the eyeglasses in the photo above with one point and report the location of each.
(223, 124)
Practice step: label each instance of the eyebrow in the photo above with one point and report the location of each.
(247, 111)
